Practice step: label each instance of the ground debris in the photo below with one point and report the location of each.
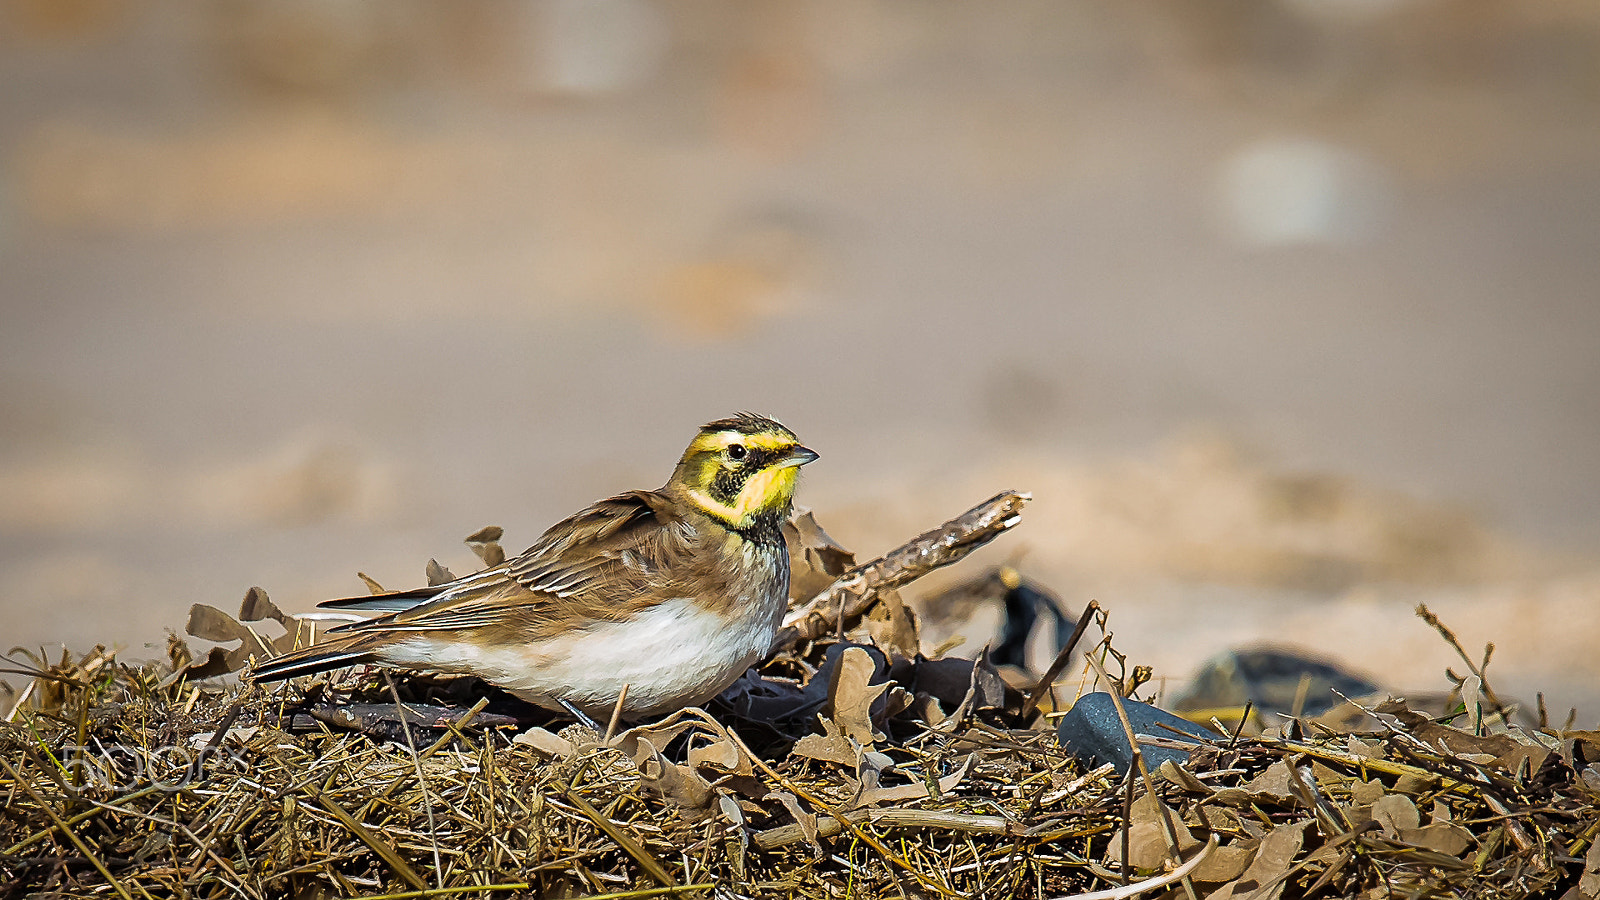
(840, 767)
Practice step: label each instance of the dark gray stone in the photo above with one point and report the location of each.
(1092, 732)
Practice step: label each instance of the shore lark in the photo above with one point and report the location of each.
(673, 592)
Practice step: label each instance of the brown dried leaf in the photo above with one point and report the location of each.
(1441, 837)
(438, 574)
(257, 607)
(679, 785)
(893, 626)
(1366, 793)
(372, 586)
(1589, 884)
(817, 560)
(215, 663)
(851, 695)
(1147, 835)
(807, 821)
(832, 746)
(720, 754)
(1183, 778)
(1272, 785)
(638, 743)
(908, 792)
(1225, 863)
(545, 742)
(1395, 813)
(214, 625)
(1264, 879)
(486, 543)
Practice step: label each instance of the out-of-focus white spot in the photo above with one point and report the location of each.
(594, 46)
(1298, 191)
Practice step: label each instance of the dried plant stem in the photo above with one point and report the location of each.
(80, 817)
(827, 826)
(1125, 891)
(626, 841)
(860, 833)
(525, 886)
(1168, 829)
(422, 778)
(1449, 636)
(1051, 674)
(385, 851)
(17, 779)
(855, 591)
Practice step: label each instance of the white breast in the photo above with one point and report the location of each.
(672, 655)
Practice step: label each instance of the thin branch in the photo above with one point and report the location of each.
(854, 593)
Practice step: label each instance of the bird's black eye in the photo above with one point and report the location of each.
(736, 452)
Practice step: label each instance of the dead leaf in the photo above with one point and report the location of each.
(372, 586)
(257, 607)
(1264, 879)
(893, 626)
(1225, 863)
(851, 695)
(1589, 884)
(1441, 837)
(214, 625)
(1270, 785)
(1147, 835)
(1395, 813)
(720, 754)
(1366, 793)
(831, 746)
(545, 742)
(679, 785)
(635, 742)
(1183, 778)
(908, 792)
(216, 663)
(816, 559)
(806, 821)
(486, 543)
(438, 574)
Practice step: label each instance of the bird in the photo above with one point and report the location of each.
(660, 598)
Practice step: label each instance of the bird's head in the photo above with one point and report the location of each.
(740, 470)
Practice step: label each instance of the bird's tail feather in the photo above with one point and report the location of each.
(310, 661)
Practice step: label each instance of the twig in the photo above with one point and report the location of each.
(385, 851)
(83, 848)
(624, 840)
(1181, 873)
(1051, 674)
(422, 779)
(1168, 829)
(616, 715)
(1450, 638)
(525, 886)
(856, 590)
(828, 826)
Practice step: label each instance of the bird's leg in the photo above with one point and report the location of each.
(580, 715)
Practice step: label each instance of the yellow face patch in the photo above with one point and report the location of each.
(716, 475)
(770, 490)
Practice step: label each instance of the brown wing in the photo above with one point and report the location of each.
(599, 564)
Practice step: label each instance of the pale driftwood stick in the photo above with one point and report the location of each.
(828, 826)
(857, 589)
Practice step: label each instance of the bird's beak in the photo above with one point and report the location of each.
(799, 456)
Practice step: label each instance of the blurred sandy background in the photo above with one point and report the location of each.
(1288, 312)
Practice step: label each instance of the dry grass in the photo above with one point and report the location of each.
(904, 777)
